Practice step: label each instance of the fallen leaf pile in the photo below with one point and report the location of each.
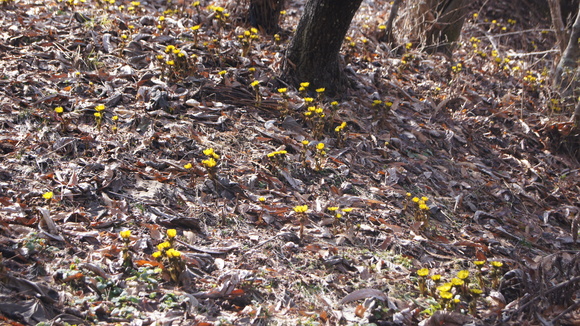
(155, 171)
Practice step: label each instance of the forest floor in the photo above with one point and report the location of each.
(477, 136)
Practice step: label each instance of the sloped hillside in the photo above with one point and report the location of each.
(155, 171)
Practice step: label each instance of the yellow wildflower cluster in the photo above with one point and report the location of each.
(176, 59)
(277, 153)
(219, 14)
(170, 257)
(420, 209)
(301, 209)
(211, 162)
(277, 158)
(340, 127)
(125, 234)
(247, 39)
(99, 115)
(457, 68)
(48, 195)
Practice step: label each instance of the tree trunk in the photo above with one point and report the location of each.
(566, 74)
(440, 23)
(313, 54)
(265, 14)
(388, 37)
(556, 13)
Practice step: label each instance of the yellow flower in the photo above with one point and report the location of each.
(195, 4)
(424, 198)
(208, 152)
(347, 210)
(172, 253)
(382, 27)
(100, 107)
(115, 118)
(221, 73)
(445, 287)
(59, 109)
(163, 245)
(195, 28)
(305, 84)
(423, 272)
(463, 274)
(457, 282)
(301, 209)
(48, 195)
(476, 291)
(159, 57)
(170, 62)
(436, 277)
(156, 254)
(479, 262)
(320, 90)
(282, 12)
(282, 90)
(262, 199)
(209, 163)
(423, 207)
(161, 18)
(320, 146)
(305, 142)
(332, 208)
(446, 295)
(171, 233)
(126, 234)
(255, 83)
(496, 264)
(334, 103)
(308, 99)
(251, 69)
(254, 30)
(97, 114)
(415, 199)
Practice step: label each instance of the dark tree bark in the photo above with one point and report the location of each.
(388, 36)
(558, 22)
(313, 55)
(566, 74)
(440, 23)
(265, 14)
